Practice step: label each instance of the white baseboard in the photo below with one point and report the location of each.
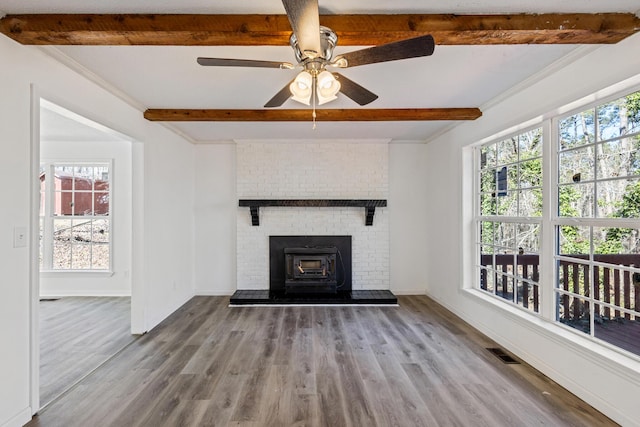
(82, 294)
(152, 323)
(409, 291)
(20, 419)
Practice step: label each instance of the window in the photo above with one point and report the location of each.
(508, 221)
(75, 221)
(598, 238)
(593, 261)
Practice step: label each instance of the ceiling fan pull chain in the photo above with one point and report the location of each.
(313, 95)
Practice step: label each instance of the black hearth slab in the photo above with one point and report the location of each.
(265, 297)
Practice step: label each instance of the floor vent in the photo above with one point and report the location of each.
(500, 353)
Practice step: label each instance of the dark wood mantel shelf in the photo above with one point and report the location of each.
(254, 205)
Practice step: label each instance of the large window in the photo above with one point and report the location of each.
(598, 234)
(510, 205)
(75, 216)
(593, 238)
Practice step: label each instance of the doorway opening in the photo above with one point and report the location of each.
(82, 300)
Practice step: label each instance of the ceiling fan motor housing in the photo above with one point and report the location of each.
(328, 41)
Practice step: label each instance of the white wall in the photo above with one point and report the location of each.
(215, 219)
(168, 224)
(607, 380)
(118, 282)
(14, 262)
(407, 218)
(164, 270)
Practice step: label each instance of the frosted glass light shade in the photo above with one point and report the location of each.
(327, 87)
(301, 88)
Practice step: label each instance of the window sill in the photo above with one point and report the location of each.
(76, 273)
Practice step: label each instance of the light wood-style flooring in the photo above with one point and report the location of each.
(77, 334)
(413, 365)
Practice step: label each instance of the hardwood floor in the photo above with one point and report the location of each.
(413, 365)
(77, 334)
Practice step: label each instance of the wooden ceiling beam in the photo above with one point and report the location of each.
(352, 30)
(305, 115)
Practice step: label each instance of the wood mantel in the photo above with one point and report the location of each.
(254, 205)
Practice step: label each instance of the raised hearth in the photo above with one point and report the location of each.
(311, 270)
(265, 297)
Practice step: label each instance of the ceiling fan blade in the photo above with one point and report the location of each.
(304, 17)
(354, 91)
(403, 49)
(223, 62)
(280, 97)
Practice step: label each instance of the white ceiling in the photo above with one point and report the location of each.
(169, 77)
(59, 124)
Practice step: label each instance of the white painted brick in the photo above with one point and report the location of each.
(313, 171)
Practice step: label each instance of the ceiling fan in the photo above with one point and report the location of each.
(313, 45)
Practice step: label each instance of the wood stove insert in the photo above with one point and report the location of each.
(311, 269)
(309, 264)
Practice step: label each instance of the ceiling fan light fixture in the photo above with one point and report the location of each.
(302, 88)
(327, 87)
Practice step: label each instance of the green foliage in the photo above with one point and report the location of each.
(486, 236)
(632, 104)
(531, 173)
(611, 245)
(572, 242)
(629, 207)
(488, 196)
(567, 196)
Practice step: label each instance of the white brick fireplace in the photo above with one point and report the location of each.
(312, 170)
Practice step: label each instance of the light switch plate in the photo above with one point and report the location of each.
(19, 237)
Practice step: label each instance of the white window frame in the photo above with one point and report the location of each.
(550, 219)
(594, 221)
(479, 219)
(47, 220)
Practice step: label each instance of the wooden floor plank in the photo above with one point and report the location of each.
(220, 407)
(77, 334)
(406, 398)
(331, 402)
(413, 365)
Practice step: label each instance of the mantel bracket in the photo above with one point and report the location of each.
(255, 215)
(371, 210)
